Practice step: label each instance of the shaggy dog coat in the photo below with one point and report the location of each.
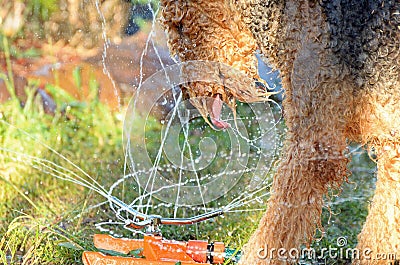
(340, 67)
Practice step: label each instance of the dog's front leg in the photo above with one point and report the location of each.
(313, 160)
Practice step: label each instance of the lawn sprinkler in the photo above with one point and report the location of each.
(153, 249)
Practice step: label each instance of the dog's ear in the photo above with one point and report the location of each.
(213, 31)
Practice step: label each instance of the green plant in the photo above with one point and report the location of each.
(8, 78)
(38, 210)
(40, 10)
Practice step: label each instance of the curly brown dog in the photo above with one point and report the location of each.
(340, 67)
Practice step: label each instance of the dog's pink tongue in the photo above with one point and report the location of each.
(215, 114)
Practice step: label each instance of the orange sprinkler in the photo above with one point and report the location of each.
(153, 249)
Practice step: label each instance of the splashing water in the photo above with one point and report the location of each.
(189, 163)
(105, 47)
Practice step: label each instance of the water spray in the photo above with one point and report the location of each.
(185, 180)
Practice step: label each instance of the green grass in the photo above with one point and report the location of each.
(39, 211)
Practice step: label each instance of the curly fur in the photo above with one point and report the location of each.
(340, 67)
(213, 31)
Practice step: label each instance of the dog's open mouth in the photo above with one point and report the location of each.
(215, 113)
(210, 99)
